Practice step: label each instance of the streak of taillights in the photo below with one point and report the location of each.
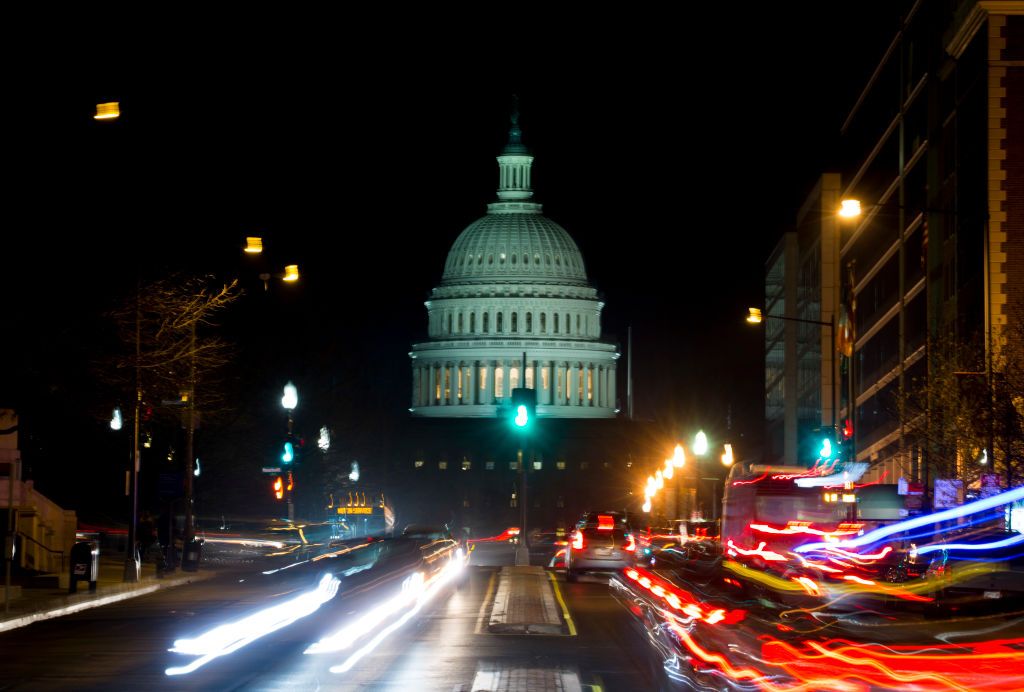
(231, 637)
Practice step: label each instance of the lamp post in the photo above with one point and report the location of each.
(755, 316)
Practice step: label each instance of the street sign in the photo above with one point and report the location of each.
(271, 469)
(355, 510)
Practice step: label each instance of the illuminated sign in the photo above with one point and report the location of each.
(355, 510)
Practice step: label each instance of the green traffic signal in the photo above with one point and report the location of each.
(289, 453)
(826, 449)
(524, 404)
(522, 418)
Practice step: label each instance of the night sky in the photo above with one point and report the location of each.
(673, 148)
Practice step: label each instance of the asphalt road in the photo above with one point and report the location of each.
(124, 646)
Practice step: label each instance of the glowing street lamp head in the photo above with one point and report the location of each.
(849, 208)
(115, 420)
(291, 397)
(700, 444)
(254, 245)
(291, 273)
(754, 315)
(647, 507)
(678, 457)
(727, 458)
(108, 111)
(668, 471)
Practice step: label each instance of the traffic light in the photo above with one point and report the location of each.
(278, 488)
(289, 453)
(819, 446)
(524, 406)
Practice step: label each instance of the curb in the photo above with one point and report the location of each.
(68, 604)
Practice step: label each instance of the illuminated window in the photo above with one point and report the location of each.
(479, 259)
(499, 382)
(466, 465)
(489, 465)
(559, 378)
(529, 378)
(590, 384)
(501, 258)
(513, 465)
(442, 465)
(513, 377)
(512, 501)
(536, 258)
(537, 465)
(447, 383)
(483, 378)
(458, 382)
(544, 378)
(560, 465)
(418, 464)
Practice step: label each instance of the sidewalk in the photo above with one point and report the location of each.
(34, 604)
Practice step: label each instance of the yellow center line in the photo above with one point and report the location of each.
(561, 602)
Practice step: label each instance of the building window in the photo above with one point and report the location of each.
(489, 465)
(543, 323)
(483, 378)
(472, 322)
(487, 319)
(560, 465)
(499, 382)
(544, 378)
(513, 502)
(529, 378)
(568, 324)
(584, 465)
(556, 323)
(515, 322)
(418, 464)
(499, 323)
(537, 465)
(590, 384)
(577, 324)
(513, 377)
(447, 383)
(458, 383)
(466, 465)
(529, 322)
(442, 465)
(513, 466)
(449, 323)
(460, 323)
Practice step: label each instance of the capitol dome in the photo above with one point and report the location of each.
(515, 246)
(514, 309)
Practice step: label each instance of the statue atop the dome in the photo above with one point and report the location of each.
(515, 135)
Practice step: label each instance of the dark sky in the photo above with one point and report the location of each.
(674, 148)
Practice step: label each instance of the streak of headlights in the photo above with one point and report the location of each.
(417, 590)
(226, 639)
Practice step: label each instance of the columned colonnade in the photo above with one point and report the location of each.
(487, 382)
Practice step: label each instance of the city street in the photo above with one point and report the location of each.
(445, 647)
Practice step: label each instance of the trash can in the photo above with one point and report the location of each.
(85, 564)
(192, 554)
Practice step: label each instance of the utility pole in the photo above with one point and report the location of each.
(131, 560)
(190, 428)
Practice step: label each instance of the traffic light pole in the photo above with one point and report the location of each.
(522, 550)
(288, 481)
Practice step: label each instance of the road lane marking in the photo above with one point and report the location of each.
(483, 606)
(561, 602)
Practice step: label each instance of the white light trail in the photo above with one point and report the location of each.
(226, 639)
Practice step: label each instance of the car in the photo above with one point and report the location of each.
(605, 545)
(962, 574)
